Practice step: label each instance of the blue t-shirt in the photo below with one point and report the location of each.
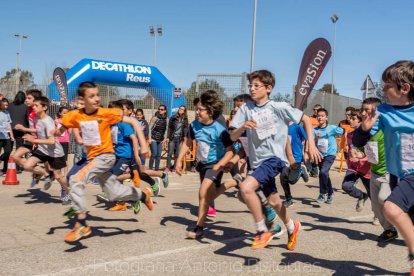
(297, 135)
(211, 140)
(397, 123)
(123, 147)
(326, 141)
(5, 122)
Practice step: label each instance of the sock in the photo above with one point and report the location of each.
(261, 226)
(82, 222)
(145, 177)
(143, 197)
(290, 226)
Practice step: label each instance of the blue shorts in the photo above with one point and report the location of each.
(403, 195)
(121, 165)
(265, 174)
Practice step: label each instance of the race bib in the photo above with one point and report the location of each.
(90, 133)
(245, 145)
(371, 151)
(202, 151)
(265, 126)
(114, 134)
(407, 151)
(323, 145)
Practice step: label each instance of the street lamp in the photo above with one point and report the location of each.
(18, 36)
(334, 19)
(154, 33)
(253, 37)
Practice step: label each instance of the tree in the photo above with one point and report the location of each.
(327, 87)
(22, 79)
(205, 85)
(278, 97)
(379, 86)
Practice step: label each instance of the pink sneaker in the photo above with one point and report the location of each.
(167, 170)
(211, 212)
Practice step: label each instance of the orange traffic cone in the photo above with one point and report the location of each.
(11, 176)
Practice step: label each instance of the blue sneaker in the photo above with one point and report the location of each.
(321, 198)
(165, 179)
(277, 231)
(270, 214)
(329, 199)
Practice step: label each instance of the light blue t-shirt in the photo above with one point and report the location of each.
(123, 147)
(211, 140)
(268, 140)
(5, 122)
(326, 141)
(397, 123)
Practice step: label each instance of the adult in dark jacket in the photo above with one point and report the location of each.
(158, 131)
(177, 130)
(18, 115)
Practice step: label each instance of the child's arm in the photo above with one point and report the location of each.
(49, 141)
(78, 137)
(11, 133)
(314, 153)
(183, 151)
(134, 140)
(59, 131)
(249, 124)
(24, 129)
(224, 160)
(138, 130)
(289, 152)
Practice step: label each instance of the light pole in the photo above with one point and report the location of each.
(17, 35)
(154, 34)
(253, 37)
(334, 19)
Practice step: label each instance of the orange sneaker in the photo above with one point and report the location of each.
(262, 240)
(293, 237)
(135, 177)
(148, 200)
(119, 206)
(78, 233)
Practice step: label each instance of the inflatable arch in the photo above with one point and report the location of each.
(123, 75)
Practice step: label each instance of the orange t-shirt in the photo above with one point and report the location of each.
(348, 129)
(314, 121)
(95, 128)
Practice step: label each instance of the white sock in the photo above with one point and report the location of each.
(290, 226)
(261, 226)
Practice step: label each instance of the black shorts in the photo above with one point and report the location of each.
(65, 147)
(56, 163)
(207, 172)
(403, 195)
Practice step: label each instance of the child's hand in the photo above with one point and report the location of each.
(179, 168)
(144, 153)
(28, 138)
(19, 127)
(216, 168)
(250, 124)
(368, 120)
(314, 154)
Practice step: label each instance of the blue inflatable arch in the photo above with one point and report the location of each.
(124, 75)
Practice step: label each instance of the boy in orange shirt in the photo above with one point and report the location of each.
(95, 123)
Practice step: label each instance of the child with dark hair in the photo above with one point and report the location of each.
(214, 150)
(177, 129)
(157, 135)
(64, 138)
(6, 134)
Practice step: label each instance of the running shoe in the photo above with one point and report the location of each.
(167, 170)
(277, 231)
(48, 179)
(102, 197)
(270, 214)
(329, 199)
(305, 173)
(119, 206)
(262, 239)
(387, 235)
(136, 207)
(196, 233)
(361, 202)
(211, 212)
(321, 198)
(148, 201)
(165, 179)
(70, 213)
(35, 180)
(78, 233)
(287, 203)
(66, 200)
(238, 178)
(292, 241)
(156, 188)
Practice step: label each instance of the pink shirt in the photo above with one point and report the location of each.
(64, 138)
(362, 166)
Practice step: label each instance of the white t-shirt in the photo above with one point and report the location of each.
(269, 138)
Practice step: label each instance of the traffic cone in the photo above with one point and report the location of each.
(11, 176)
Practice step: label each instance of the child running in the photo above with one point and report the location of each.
(326, 143)
(266, 123)
(95, 124)
(396, 120)
(214, 150)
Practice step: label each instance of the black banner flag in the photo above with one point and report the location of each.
(59, 77)
(314, 60)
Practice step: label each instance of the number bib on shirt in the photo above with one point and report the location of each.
(407, 151)
(202, 151)
(90, 133)
(245, 145)
(371, 151)
(265, 126)
(114, 134)
(323, 145)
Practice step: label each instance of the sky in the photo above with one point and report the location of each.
(209, 36)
